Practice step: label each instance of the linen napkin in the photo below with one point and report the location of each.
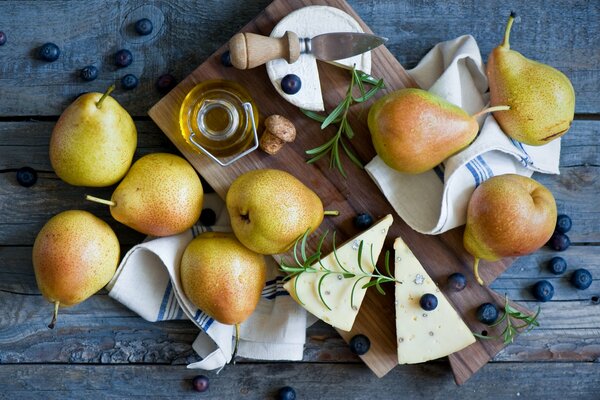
(147, 281)
(436, 201)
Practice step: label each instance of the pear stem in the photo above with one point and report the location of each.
(505, 42)
(53, 322)
(476, 272)
(333, 213)
(105, 95)
(237, 342)
(490, 109)
(101, 201)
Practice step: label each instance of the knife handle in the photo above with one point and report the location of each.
(249, 50)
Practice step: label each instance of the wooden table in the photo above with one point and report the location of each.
(101, 349)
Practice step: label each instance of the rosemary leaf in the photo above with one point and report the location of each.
(511, 329)
(320, 291)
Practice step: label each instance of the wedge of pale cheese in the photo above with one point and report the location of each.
(308, 22)
(423, 335)
(335, 289)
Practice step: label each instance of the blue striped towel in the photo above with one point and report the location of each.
(436, 201)
(147, 282)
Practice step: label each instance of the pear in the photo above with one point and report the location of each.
(93, 142)
(508, 216)
(161, 195)
(74, 255)
(269, 209)
(541, 98)
(222, 277)
(413, 130)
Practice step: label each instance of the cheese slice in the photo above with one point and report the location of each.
(308, 22)
(423, 335)
(335, 289)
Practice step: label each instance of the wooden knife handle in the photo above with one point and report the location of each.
(249, 50)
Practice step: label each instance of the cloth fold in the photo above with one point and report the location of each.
(147, 281)
(436, 201)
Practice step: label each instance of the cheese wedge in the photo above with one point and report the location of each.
(308, 22)
(335, 289)
(423, 335)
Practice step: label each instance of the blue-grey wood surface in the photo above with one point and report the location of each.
(100, 349)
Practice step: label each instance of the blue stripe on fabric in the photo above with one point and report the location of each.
(165, 300)
(487, 168)
(474, 172)
(480, 169)
(276, 294)
(179, 313)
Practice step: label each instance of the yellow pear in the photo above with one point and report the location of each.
(93, 141)
(413, 130)
(269, 209)
(541, 98)
(161, 195)
(222, 277)
(74, 255)
(508, 216)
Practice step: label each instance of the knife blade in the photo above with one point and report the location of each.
(249, 50)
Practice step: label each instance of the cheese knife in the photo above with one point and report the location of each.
(249, 50)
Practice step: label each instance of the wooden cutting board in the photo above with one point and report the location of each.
(440, 255)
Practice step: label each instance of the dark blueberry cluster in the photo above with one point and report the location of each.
(360, 344)
(363, 221)
(286, 393)
(143, 26)
(487, 313)
(543, 291)
(457, 282)
(428, 302)
(49, 52)
(291, 84)
(200, 383)
(129, 82)
(89, 73)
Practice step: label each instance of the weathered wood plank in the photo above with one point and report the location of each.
(186, 33)
(317, 381)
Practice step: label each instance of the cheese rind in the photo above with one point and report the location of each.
(308, 22)
(337, 290)
(423, 335)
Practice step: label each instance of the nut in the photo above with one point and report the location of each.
(279, 130)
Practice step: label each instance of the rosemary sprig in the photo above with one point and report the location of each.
(512, 329)
(314, 264)
(339, 117)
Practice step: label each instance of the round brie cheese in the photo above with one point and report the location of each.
(309, 22)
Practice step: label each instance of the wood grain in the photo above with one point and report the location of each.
(440, 256)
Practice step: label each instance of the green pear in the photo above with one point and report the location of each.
(161, 195)
(74, 255)
(269, 209)
(508, 216)
(413, 130)
(93, 141)
(222, 277)
(541, 98)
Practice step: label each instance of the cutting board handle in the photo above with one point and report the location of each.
(249, 50)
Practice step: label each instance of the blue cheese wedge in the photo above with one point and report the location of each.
(335, 289)
(308, 22)
(423, 335)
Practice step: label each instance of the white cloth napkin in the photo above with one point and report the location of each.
(436, 201)
(147, 282)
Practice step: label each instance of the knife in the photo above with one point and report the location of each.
(249, 50)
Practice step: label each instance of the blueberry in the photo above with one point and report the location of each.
(557, 265)
(457, 281)
(226, 59)
(129, 82)
(123, 58)
(543, 291)
(2, 38)
(487, 313)
(581, 278)
(165, 83)
(143, 26)
(363, 221)
(286, 393)
(200, 383)
(49, 52)
(563, 223)
(428, 302)
(291, 84)
(559, 241)
(359, 344)
(26, 176)
(208, 217)
(89, 73)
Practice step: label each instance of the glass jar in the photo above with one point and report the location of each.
(219, 118)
